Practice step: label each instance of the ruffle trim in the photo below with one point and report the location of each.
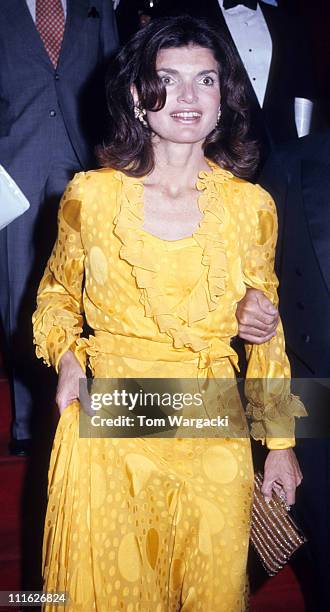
(67, 327)
(275, 410)
(137, 249)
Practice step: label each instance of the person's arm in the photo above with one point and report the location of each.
(303, 83)
(271, 406)
(303, 71)
(257, 316)
(58, 319)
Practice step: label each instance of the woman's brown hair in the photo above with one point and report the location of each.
(129, 145)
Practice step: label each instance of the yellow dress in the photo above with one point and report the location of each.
(157, 525)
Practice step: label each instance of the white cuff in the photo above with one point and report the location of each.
(303, 109)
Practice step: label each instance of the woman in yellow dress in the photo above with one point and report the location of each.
(155, 251)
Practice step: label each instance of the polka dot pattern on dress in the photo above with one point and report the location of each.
(147, 524)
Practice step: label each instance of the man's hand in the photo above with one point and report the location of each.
(281, 474)
(69, 374)
(257, 317)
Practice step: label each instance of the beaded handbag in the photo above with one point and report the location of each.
(274, 534)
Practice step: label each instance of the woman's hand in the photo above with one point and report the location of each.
(257, 317)
(69, 374)
(281, 474)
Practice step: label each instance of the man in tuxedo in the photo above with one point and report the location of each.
(276, 59)
(298, 177)
(52, 106)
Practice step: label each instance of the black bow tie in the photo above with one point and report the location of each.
(251, 4)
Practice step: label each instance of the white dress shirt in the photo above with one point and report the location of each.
(32, 8)
(251, 36)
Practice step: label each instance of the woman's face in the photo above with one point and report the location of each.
(191, 79)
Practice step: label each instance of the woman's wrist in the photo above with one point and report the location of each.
(280, 451)
(280, 443)
(66, 358)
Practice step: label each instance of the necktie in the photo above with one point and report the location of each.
(251, 4)
(50, 23)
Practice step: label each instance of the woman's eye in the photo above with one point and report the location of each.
(207, 81)
(166, 80)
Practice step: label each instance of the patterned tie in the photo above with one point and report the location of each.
(50, 23)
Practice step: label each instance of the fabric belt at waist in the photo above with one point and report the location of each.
(148, 350)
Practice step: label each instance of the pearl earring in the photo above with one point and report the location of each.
(218, 116)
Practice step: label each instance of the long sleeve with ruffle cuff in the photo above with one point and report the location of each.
(272, 409)
(271, 405)
(58, 319)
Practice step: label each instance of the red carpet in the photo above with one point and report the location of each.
(12, 473)
(22, 504)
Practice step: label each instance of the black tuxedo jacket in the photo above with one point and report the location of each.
(290, 75)
(298, 177)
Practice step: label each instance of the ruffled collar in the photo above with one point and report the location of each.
(138, 250)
